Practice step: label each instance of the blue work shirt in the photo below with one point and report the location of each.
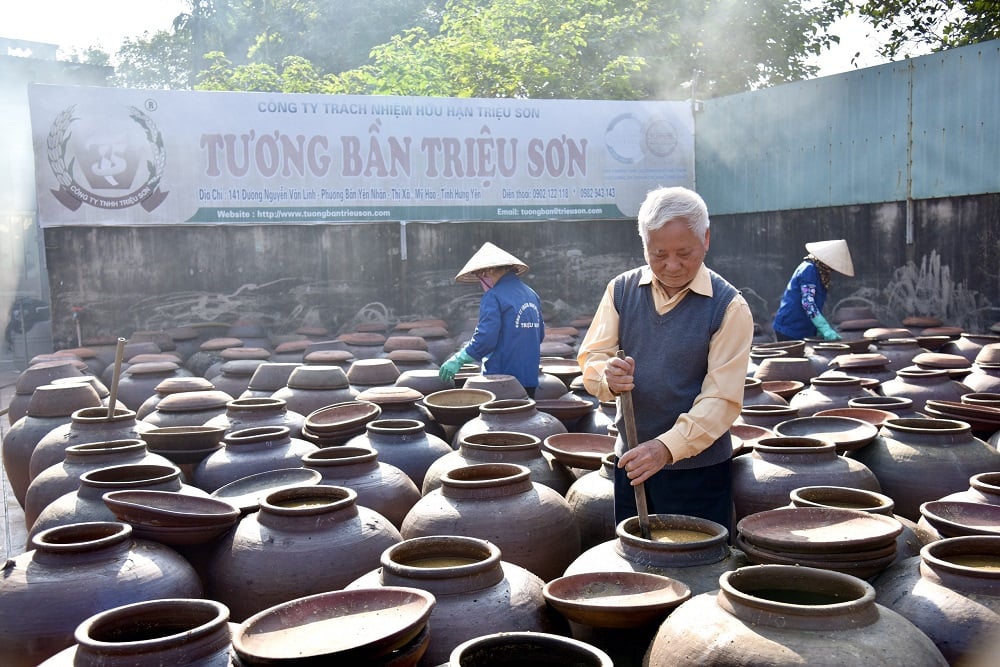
(803, 299)
(510, 330)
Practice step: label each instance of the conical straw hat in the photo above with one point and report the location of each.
(488, 257)
(834, 254)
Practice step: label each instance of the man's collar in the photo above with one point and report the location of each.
(701, 284)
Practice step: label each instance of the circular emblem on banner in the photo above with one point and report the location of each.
(660, 137)
(623, 138)
(105, 164)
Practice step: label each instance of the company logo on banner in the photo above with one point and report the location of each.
(109, 156)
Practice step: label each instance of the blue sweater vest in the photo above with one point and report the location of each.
(671, 357)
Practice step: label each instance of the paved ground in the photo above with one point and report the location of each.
(13, 535)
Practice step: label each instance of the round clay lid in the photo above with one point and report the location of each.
(555, 350)
(921, 321)
(313, 331)
(373, 372)
(151, 368)
(190, 401)
(159, 356)
(565, 331)
(362, 338)
(321, 357)
(393, 343)
(293, 346)
(182, 333)
(177, 385)
(79, 352)
(858, 325)
(941, 360)
(213, 344)
(859, 360)
(420, 324)
(240, 367)
(558, 338)
(318, 377)
(371, 327)
(410, 356)
(429, 332)
(884, 333)
(382, 395)
(245, 353)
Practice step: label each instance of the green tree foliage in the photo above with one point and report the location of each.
(609, 49)
(160, 60)
(938, 24)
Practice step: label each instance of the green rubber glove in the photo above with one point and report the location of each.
(452, 366)
(824, 328)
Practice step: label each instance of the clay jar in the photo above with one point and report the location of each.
(50, 406)
(827, 392)
(952, 593)
(244, 413)
(518, 415)
(86, 503)
(73, 572)
(983, 379)
(598, 420)
(402, 403)
(697, 562)
(268, 378)
(898, 405)
(312, 387)
(532, 524)
(754, 394)
(189, 408)
(766, 415)
(403, 443)
(379, 485)
(234, 375)
(983, 488)
(919, 460)
(503, 447)
(592, 500)
(466, 575)
(304, 540)
(921, 385)
(899, 351)
(764, 479)
(789, 615)
(32, 378)
(64, 477)
(177, 632)
(250, 451)
(86, 425)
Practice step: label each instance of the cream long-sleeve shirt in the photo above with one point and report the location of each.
(721, 398)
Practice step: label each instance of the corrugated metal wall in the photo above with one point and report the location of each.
(919, 129)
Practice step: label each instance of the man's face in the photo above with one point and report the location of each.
(675, 254)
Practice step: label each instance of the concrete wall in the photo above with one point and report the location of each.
(129, 279)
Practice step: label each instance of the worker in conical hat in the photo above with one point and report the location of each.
(509, 333)
(800, 314)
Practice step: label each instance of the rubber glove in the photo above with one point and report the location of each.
(452, 366)
(824, 328)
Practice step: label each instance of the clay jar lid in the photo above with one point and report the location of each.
(860, 360)
(558, 338)
(271, 375)
(43, 373)
(885, 333)
(342, 417)
(955, 518)
(410, 356)
(362, 338)
(176, 385)
(193, 401)
(936, 360)
(615, 599)
(391, 395)
(404, 343)
(182, 333)
(579, 450)
(371, 372)
(500, 385)
(216, 344)
(432, 331)
(420, 324)
(78, 352)
(129, 350)
(825, 530)
(313, 332)
(159, 356)
(245, 353)
(556, 349)
(318, 377)
(151, 368)
(454, 407)
(951, 332)
(328, 357)
(61, 400)
(989, 355)
(290, 346)
(921, 321)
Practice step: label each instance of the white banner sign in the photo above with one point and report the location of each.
(109, 156)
